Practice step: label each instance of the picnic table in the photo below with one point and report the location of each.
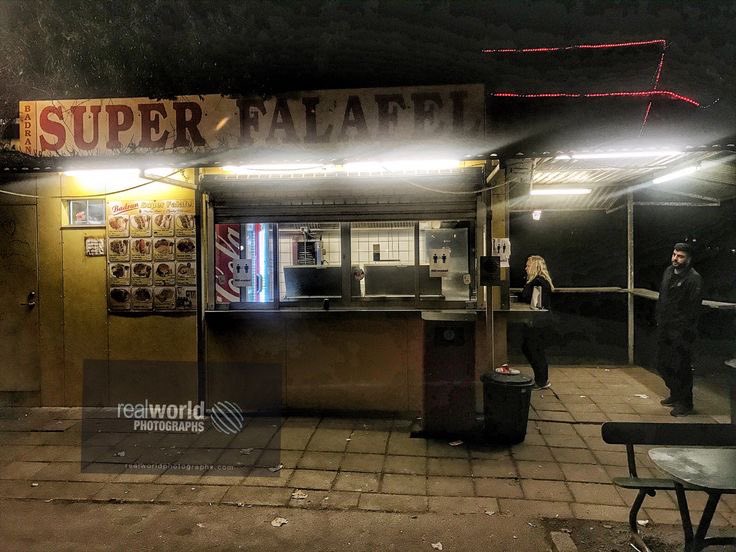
(707, 469)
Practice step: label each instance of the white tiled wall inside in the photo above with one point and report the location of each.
(396, 245)
(330, 252)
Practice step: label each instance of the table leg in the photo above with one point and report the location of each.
(687, 525)
(704, 525)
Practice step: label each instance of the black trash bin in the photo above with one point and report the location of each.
(506, 406)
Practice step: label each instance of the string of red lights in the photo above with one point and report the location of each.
(665, 93)
(659, 41)
(655, 85)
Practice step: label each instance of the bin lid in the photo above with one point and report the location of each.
(506, 379)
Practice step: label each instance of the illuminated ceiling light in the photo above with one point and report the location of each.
(400, 166)
(274, 168)
(618, 155)
(116, 177)
(674, 175)
(559, 191)
(537, 215)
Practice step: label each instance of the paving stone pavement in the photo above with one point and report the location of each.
(563, 469)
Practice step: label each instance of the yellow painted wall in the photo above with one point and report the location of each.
(74, 324)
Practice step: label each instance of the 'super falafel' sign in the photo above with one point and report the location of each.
(201, 123)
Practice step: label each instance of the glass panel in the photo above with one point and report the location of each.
(96, 211)
(78, 211)
(443, 248)
(310, 260)
(244, 263)
(383, 259)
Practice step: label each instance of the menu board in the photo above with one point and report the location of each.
(151, 256)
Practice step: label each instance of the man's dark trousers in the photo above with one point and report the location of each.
(674, 362)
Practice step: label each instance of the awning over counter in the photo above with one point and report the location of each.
(443, 195)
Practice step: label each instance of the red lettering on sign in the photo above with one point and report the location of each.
(78, 112)
(54, 128)
(151, 115)
(184, 124)
(116, 125)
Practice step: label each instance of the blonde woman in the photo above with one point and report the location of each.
(533, 344)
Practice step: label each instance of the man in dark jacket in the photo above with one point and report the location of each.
(680, 296)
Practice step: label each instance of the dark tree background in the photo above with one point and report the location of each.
(161, 48)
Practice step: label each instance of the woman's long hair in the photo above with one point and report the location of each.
(538, 267)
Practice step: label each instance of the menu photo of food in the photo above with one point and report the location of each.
(118, 250)
(140, 226)
(163, 224)
(142, 298)
(141, 274)
(164, 274)
(164, 298)
(184, 224)
(120, 298)
(140, 249)
(117, 226)
(119, 274)
(186, 274)
(186, 298)
(163, 249)
(186, 250)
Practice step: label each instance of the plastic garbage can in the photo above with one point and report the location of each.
(506, 400)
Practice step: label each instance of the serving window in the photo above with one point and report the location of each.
(368, 263)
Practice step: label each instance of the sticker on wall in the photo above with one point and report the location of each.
(119, 274)
(184, 225)
(439, 262)
(185, 274)
(140, 226)
(502, 249)
(118, 250)
(140, 249)
(141, 274)
(186, 298)
(186, 249)
(142, 298)
(163, 249)
(117, 226)
(94, 247)
(163, 224)
(164, 298)
(120, 299)
(163, 274)
(242, 273)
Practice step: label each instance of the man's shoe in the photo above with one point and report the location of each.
(544, 386)
(681, 410)
(669, 401)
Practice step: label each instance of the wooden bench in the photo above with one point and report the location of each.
(672, 434)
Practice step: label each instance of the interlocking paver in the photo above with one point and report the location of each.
(568, 441)
(573, 456)
(405, 464)
(594, 493)
(357, 481)
(329, 440)
(259, 496)
(131, 492)
(450, 486)
(368, 442)
(531, 452)
(588, 473)
(394, 483)
(546, 490)
(498, 488)
(320, 460)
(503, 467)
(21, 470)
(333, 500)
(462, 505)
(312, 479)
(362, 462)
(448, 466)
(400, 443)
(539, 508)
(540, 470)
(392, 503)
